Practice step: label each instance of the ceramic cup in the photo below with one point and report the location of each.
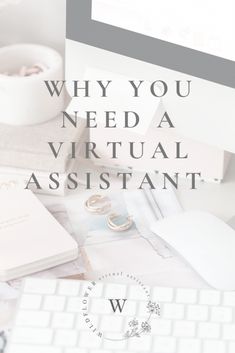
(26, 100)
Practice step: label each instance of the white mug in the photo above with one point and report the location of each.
(26, 100)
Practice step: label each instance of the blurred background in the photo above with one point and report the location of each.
(33, 21)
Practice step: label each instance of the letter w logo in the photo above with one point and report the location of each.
(116, 304)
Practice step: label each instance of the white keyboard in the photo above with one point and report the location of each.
(60, 316)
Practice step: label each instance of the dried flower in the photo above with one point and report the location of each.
(133, 323)
(153, 308)
(146, 327)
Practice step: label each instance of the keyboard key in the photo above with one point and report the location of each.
(190, 346)
(173, 311)
(115, 345)
(116, 291)
(197, 313)
(69, 288)
(229, 332)
(97, 290)
(63, 320)
(137, 292)
(184, 329)
(111, 323)
(75, 305)
(22, 348)
(85, 323)
(30, 301)
(231, 347)
(143, 310)
(214, 346)
(229, 299)
(40, 286)
(101, 306)
(98, 351)
(187, 296)
(161, 327)
(32, 336)
(209, 330)
(164, 345)
(221, 314)
(33, 318)
(163, 294)
(142, 343)
(76, 350)
(209, 297)
(54, 303)
(66, 338)
(89, 340)
(129, 309)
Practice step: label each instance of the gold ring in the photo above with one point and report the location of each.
(119, 227)
(98, 199)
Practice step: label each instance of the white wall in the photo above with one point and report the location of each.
(37, 21)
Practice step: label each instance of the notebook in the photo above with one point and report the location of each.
(31, 240)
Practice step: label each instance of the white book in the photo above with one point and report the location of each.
(31, 240)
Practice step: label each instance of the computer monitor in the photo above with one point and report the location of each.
(156, 40)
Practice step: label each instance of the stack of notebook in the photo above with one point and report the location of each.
(25, 150)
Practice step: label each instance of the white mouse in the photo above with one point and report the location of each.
(205, 242)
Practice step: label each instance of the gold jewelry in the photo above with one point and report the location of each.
(98, 199)
(119, 228)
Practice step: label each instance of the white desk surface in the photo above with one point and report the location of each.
(217, 198)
